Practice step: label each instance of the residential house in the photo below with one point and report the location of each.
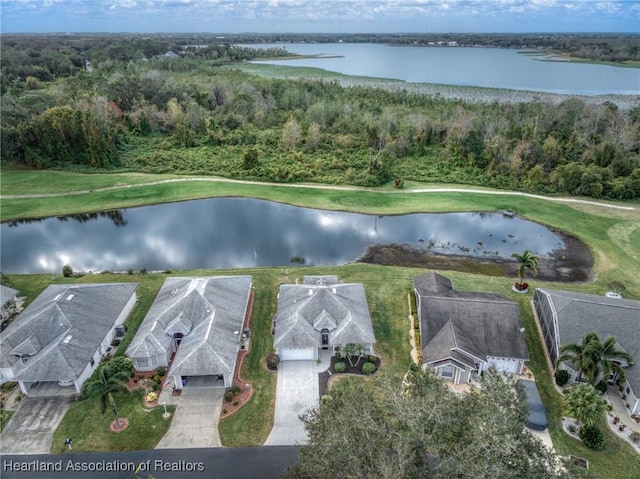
(194, 325)
(60, 338)
(566, 317)
(321, 313)
(7, 301)
(465, 333)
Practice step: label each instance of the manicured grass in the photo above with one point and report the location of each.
(89, 427)
(613, 236)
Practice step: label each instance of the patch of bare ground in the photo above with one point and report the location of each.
(574, 263)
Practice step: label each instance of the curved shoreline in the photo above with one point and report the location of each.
(473, 94)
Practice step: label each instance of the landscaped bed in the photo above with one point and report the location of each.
(324, 378)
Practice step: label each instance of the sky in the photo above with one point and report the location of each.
(319, 16)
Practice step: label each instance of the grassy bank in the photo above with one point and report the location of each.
(612, 234)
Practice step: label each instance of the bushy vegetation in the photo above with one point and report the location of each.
(368, 368)
(186, 115)
(592, 437)
(340, 367)
(272, 361)
(561, 377)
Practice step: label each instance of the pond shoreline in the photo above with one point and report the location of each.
(572, 264)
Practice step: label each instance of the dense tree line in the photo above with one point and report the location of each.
(185, 114)
(610, 47)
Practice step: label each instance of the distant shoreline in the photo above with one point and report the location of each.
(473, 94)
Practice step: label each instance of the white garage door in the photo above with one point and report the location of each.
(505, 366)
(296, 354)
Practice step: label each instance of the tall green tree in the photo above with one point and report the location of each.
(585, 403)
(416, 427)
(526, 261)
(104, 383)
(594, 358)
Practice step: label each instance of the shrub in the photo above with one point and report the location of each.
(635, 437)
(592, 437)
(151, 397)
(228, 395)
(562, 377)
(224, 410)
(235, 389)
(373, 358)
(272, 361)
(235, 403)
(340, 367)
(156, 387)
(162, 371)
(602, 386)
(120, 363)
(129, 270)
(368, 368)
(67, 271)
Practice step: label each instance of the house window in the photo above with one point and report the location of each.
(92, 362)
(447, 372)
(142, 362)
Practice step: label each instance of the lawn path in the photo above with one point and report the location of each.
(322, 187)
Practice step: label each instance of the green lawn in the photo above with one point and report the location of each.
(612, 234)
(89, 427)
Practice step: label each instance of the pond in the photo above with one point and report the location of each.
(242, 232)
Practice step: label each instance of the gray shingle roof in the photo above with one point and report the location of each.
(207, 310)
(580, 313)
(321, 302)
(61, 330)
(480, 324)
(6, 294)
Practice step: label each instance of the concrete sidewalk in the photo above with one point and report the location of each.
(195, 423)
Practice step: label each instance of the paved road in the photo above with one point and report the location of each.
(216, 463)
(195, 423)
(31, 428)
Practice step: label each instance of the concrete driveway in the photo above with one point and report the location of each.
(195, 423)
(31, 428)
(297, 391)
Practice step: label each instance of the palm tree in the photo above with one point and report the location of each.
(527, 260)
(584, 403)
(578, 355)
(595, 359)
(105, 382)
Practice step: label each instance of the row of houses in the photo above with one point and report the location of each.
(195, 326)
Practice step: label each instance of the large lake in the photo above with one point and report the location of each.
(240, 233)
(483, 67)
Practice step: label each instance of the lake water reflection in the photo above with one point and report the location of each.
(240, 233)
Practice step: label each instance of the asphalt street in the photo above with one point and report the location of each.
(268, 462)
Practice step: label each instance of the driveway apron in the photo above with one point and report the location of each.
(297, 391)
(195, 423)
(31, 428)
